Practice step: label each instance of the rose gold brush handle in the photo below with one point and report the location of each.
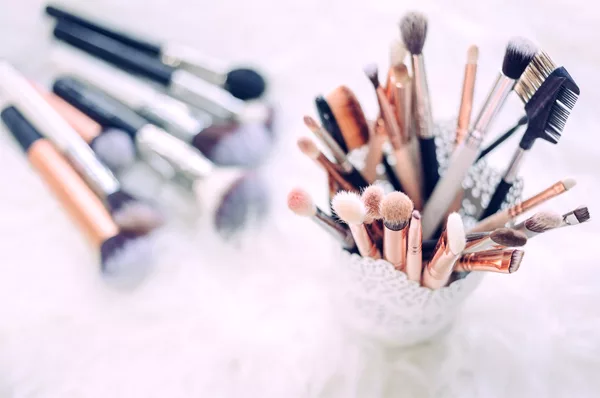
(365, 245)
(406, 173)
(374, 151)
(394, 247)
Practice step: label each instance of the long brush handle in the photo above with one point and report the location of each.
(502, 138)
(407, 175)
(365, 245)
(497, 199)
(431, 174)
(492, 222)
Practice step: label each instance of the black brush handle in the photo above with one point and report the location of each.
(329, 122)
(25, 134)
(391, 174)
(502, 138)
(125, 38)
(430, 165)
(357, 179)
(427, 247)
(114, 52)
(497, 199)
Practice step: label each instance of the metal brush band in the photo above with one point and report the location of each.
(515, 164)
(534, 76)
(203, 95)
(187, 165)
(570, 219)
(187, 58)
(177, 118)
(424, 118)
(100, 179)
(493, 103)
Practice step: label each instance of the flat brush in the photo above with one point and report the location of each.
(124, 256)
(448, 249)
(539, 223)
(351, 174)
(414, 254)
(351, 210)
(503, 217)
(519, 52)
(404, 165)
(310, 149)
(499, 238)
(243, 83)
(498, 260)
(577, 216)
(396, 211)
(413, 29)
(302, 204)
(329, 122)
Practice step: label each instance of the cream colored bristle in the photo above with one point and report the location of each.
(472, 54)
(308, 147)
(349, 208)
(396, 210)
(456, 233)
(569, 183)
(397, 53)
(371, 198)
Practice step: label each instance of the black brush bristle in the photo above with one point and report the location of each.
(519, 53)
(245, 84)
(582, 214)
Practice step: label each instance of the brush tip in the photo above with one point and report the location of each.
(473, 54)
(115, 149)
(508, 237)
(372, 71)
(413, 28)
(515, 260)
(582, 214)
(569, 183)
(396, 209)
(416, 214)
(398, 53)
(308, 147)
(300, 202)
(371, 198)
(519, 53)
(543, 221)
(457, 238)
(311, 123)
(349, 208)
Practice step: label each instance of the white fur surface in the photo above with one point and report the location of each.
(253, 318)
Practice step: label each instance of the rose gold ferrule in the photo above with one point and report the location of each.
(440, 267)
(394, 247)
(466, 103)
(87, 128)
(77, 198)
(414, 255)
(549, 193)
(497, 260)
(365, 245)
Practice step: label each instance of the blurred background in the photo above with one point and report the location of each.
(250, 316)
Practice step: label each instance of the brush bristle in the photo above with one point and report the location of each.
(126, 259)
(133, 215)
(582, 214)
(455, 229)
(300, 202)
(515, 260)
(473, 54)
(543, 221)
(397, 53)
(311, 123)
(413, 28)
(416, 215)
(508, 237)
(349, 208)
(396, 209)
(372, 72)
(245, 84)
(308, 147)
(115, 149)
(569, 183)
(519, 53)
(401, 74)
(371, 198)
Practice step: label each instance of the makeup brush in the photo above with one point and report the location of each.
(396, 211)
(350, 117)
(371, 198)
(414, 255)
(503, 217)
(413, 29)
(310, 149)
(329, 122)
(123, 255)
(498, 260)
(577, 216)
(499, 238)
(123, 207)
(539, 223)
(401, 99)
(519, 52)
(466, 99)
(178, 83)
(351, 210)
(301, 203)
(522, 122)
(404, 165)
(243, 83)
(114, 147)
(448, 250)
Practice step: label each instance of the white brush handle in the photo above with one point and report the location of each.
(445, 191)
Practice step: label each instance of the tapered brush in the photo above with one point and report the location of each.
(396, 211)
(329, 122)
(577, 216)
(301, 203)
(404, 164)
(414, 254)
(503, 217)
(413, 29)
(310, 149)
(504, 261)
(371, 198)
(351, 210)
(448, 249)
(100, 179)
(499, 238)
(125, 256)
(243, 83)
(519, 52)
(539, 223)
(350, 117)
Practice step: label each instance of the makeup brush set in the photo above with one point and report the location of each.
(402, 204)
(191, 121)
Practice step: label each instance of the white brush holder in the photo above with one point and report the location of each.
(383, 304)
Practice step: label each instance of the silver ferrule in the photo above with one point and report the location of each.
(343, 235)
(172, 158)
(99, 178)
(493, 103)
(190, 59)
(423, 116)
(515, 164)
(201, 94)
(176, 117)
(569, 219)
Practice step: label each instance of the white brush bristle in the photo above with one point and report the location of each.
(569, 183)
(472, 54)
(115, 148)
(301, 203)
(349, 208)
(308, 147)
(456, 233)
(398, 53)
